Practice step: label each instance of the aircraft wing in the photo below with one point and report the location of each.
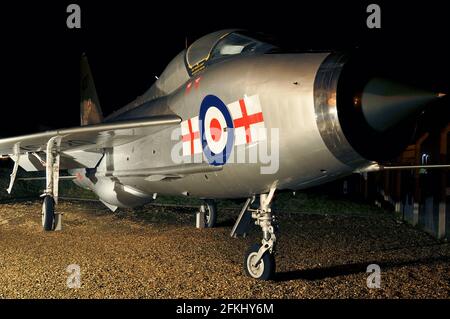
(79, 147)
(88, 137)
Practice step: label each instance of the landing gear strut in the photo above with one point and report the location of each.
(259, 261)
(50, 219)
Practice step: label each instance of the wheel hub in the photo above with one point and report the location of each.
(255, 270)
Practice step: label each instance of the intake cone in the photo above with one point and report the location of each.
(386, 103)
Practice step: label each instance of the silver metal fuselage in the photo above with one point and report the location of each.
(285, 84)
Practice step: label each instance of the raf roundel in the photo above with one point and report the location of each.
(216, 130)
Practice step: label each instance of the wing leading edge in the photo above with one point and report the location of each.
(87, 137)
(79, 146)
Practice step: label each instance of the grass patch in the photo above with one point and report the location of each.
(314, 201)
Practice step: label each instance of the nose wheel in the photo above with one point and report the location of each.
(259, 261)
(264, 269)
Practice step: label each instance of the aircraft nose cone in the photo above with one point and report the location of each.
(386, 103)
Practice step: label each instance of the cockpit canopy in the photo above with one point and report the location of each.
(207, 50)
(220, 45)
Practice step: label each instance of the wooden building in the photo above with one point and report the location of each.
(420, 196)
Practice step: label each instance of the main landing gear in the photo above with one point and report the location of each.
(48, 213)
(50, 219)
(259, 261)
(207, 216)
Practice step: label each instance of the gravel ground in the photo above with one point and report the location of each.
(155, 252)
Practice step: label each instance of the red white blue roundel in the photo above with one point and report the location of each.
(216, 130)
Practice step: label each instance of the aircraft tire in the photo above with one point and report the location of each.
(210, 214)
(48, 213)
(265, 269)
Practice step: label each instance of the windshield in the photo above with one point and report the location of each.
(236, 43)
(220, 45)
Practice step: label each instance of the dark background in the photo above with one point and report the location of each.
(129, 42)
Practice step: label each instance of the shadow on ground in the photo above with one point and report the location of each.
(351, 269)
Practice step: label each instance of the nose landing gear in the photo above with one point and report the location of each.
(259, 261)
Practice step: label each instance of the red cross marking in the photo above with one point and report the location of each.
(247, 120)
(191, 136)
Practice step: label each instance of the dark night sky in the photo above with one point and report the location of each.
(129, 42)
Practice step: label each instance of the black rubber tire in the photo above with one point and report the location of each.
(48, 211)
(267, 262)
(210, 214)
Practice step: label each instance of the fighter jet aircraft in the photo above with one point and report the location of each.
(232, 116)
